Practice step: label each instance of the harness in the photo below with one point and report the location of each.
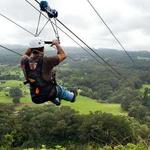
(33, 71)
(40, 88)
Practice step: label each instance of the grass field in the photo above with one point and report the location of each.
(83, 105)
(11, 83)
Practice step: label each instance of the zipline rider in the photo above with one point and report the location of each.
(38, 71)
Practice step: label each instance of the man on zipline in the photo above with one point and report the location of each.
(38, 71)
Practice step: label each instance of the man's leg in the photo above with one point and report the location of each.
(62, 93)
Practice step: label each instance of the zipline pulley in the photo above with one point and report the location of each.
(52, 13)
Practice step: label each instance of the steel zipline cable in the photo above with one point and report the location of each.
(98, 14)
(40, 33)
(116, 73)
(63, 32)
(42, 30)
(10, 50)
(110, 66)
(24, 30)
(37, 29)
(17, 24)
(79, 45)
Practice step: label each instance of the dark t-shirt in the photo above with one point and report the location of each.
(48, 64)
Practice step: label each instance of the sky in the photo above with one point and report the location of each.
(128, 19)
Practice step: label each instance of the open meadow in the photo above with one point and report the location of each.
(83, 105)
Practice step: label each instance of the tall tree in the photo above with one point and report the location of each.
(16, 94)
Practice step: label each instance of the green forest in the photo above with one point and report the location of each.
(110, 113)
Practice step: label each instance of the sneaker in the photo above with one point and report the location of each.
(75, 92)
(57, 101)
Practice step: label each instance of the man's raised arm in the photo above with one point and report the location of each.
(60, 52)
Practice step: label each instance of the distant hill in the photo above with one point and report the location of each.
(7, 57)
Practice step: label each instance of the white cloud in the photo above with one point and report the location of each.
(128, 19)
